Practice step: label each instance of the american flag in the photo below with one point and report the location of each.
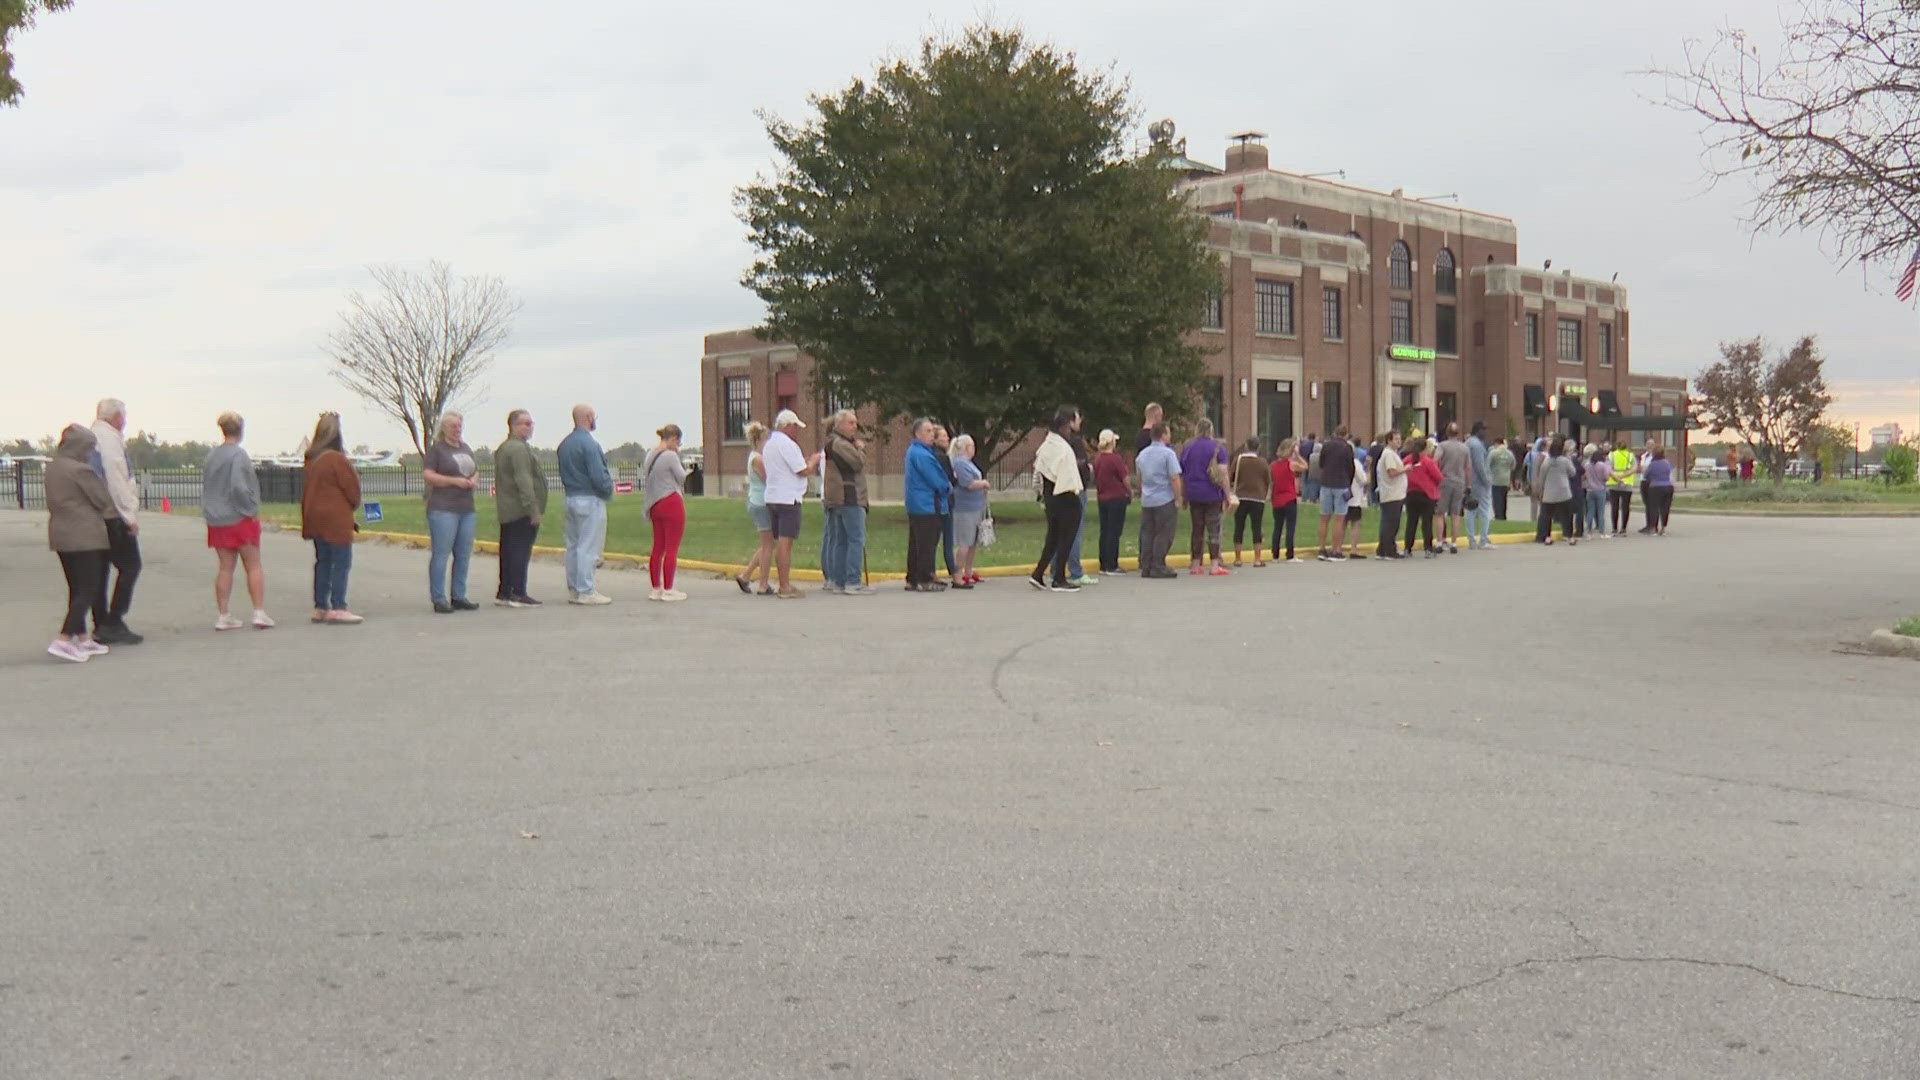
(1904, 290)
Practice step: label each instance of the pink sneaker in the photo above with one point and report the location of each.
(67, 650)
(1220, 571)
(1196, 570)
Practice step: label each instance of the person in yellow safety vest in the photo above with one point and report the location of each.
(1623, 470)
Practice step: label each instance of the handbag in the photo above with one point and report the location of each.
(987, 536)
(1473, 502)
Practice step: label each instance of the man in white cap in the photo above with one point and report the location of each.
(787, 472)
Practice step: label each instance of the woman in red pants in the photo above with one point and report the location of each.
(662, 478)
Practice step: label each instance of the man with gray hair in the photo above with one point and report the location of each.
(843, 544)
(113, 464)
(588, 485)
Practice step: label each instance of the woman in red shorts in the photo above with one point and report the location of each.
(230, 501)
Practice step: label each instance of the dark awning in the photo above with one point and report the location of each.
(1535, 399)
(1576, 410)
(1609, 403)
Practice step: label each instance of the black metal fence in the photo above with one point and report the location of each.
(22, 484)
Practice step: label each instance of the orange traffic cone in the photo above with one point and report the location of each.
(166, 505)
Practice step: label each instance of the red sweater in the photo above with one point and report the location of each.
(1424, 477)
(1286, 487)
(1110, 478)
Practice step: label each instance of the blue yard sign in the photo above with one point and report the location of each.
(373, 512)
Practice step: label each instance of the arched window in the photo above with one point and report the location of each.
(1400, 266)
(1443, 276)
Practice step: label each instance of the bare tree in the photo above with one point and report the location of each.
(1775, 406)
(421, 342)
(1824, 127)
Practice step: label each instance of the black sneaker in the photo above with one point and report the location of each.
(441, 607)
(1064, 586)
(1037, 582)
(116, 633)
(465, 605)
(1335, 557)
(526, 601)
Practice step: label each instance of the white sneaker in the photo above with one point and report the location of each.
(227, 622)
(91, 647)
(860, 590)
(67, 650)
(672, 596)
(655, 594)
(261, 621)
(592, 599)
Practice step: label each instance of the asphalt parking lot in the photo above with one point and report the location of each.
(1629, 810)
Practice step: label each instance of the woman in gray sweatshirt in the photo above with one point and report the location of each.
(230, 502)
(1557, 485)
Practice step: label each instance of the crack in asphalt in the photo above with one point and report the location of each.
(1008, 657)
(1397, 1015)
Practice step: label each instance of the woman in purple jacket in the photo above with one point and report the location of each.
(1205, 497)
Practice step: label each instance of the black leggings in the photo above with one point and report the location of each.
(1659, 506)
(1419, 516)
(1063, 523)
(1285, 518)
(1620, 508)
(1551, 512)
(1389, 526)
(1248, 510)
(86, 571)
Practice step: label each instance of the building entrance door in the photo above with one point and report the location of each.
(1407, 416)
(1273, 413)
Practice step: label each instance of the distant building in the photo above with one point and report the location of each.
(1884, 436)
(1338, 305)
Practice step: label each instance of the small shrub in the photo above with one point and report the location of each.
(1909, 627)
(1901, 463)
(1756, 494)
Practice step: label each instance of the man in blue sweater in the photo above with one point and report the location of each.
(588, 486)
(929, 494)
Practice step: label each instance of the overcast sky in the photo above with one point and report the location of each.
(191, 188)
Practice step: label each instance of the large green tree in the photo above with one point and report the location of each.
(1776, 406)
(16, 15)
(968, 237)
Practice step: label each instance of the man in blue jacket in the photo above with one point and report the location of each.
(588, 485)
(929, 494)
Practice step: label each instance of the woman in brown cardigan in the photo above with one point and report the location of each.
(78, 507)
(327, 504)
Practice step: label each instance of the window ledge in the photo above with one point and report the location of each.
(1574, 363)
(1276, 334)
(1447, 355)
(1334, 340)
(1213, 329)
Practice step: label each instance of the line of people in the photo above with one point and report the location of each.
(93, 523)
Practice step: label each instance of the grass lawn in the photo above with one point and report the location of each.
(1834, 498)
(1909, 627)
(718, 530)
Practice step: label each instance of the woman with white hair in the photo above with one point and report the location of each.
(969, 509)
(451, 477)
(230, 503)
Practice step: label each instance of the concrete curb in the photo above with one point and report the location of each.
(1888, 643)
(1729, 512)
(638, 562)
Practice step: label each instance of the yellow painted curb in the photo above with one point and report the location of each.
(414, 540)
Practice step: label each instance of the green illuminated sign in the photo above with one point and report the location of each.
(1576, 389)
(1410, 352)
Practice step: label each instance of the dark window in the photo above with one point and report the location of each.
(1444, 281)
(1639, 408)
(1216, 406)
(1533, 336)
(1272, 307)
(1400, 266)
(1214, 315)
(1330, 313)
(1446, 336)
(1666, 410)
(1569, 341)
(1330, 400)
(1606, 344)
(739, 405)
(1401, 323)
(1446, 406)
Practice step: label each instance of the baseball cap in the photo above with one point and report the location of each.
(787, 418)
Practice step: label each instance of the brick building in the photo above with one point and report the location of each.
(1338, 305)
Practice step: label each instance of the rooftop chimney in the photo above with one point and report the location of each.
(1248, 153)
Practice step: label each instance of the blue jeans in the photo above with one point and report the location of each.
(586, 532)
(1596, 503)
(1076, 571)
(1480, 518)
(331, 564)
(452, 533)
(843, 545)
